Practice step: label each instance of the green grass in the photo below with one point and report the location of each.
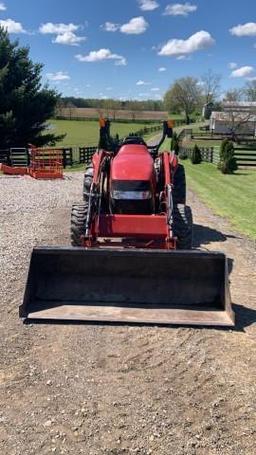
(202, 143)
(230, 196)
(86, 133)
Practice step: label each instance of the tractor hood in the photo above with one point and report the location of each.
(133, 162)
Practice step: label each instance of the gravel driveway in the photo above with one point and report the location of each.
(105, 389)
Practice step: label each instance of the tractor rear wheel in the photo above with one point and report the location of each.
(88, 178)
(179, 186)
(78, 219)
(183, 226)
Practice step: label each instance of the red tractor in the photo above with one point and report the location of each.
(133, 196)
(126, 262)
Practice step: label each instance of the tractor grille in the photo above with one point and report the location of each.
(131, 197)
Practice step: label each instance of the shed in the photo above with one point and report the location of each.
(228, 122)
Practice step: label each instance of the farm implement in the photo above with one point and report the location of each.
(131, 258)
(42, 164)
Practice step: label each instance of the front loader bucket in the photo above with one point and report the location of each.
(132, 286)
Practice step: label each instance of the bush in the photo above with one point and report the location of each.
(175, 144)
(183, 154)
(196, 157)
(227, 163)
(222, 148)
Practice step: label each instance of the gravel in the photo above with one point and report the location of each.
(103, 389)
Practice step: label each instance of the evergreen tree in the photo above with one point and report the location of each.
(25, 104)
(196, 157)
(227, 163)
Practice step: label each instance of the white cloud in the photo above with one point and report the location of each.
(179, 9)
(12, 26)
(140, 82)
(110, 27)
(69, 38)
(59, 76)
(57, 29)
(135, 26)
(155, 89)
(162, 69)
(242, 72)
(196, 42)
(148, 5)
(248, 29)
(101, 55)
(2, 7)
(65, 33)
(232, 65)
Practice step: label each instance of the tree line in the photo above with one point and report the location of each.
(110, 104)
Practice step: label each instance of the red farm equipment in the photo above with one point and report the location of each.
(43, 164)
(131, 258)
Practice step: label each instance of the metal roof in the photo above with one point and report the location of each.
(237, 117)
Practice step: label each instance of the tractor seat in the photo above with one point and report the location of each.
(133, 140)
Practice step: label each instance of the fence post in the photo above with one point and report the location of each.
(71, 156)
(211, 155)
(64, 155)
(9, 157)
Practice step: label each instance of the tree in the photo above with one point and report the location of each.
(227, 163)
(25, 104)
(210, 86)
(233, 95)
(183, 95)
(135, 107)
(71, 109)
(196, 157)
(239, 123)
(250, 91)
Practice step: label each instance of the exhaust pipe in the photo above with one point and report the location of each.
(131, 286)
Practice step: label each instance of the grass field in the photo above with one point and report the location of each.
(86, 133)
(230, 196)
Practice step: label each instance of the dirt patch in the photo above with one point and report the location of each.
(102, 389)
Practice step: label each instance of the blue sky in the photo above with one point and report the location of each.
(134, 48)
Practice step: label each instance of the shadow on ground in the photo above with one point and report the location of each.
(204, 235)
(245, 316)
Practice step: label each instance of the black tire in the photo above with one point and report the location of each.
(78, 219)
(88, 178)
(183, 226)
(179, 186)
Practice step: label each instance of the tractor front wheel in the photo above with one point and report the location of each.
(183, 226)
(78, 219)
(88, 178)
(179, 185)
